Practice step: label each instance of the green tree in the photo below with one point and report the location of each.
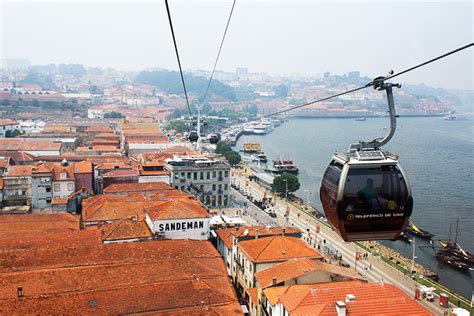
(233, 157)
(177, 125)
(280, 183)
(222, 148)
(12, 133)
(35, 103)
(5, 102)
(281, 91)
(113, 114)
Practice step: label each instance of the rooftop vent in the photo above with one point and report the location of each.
(341, 308)
(350, 298)
(274, 280)
(19, 291)
(93, 303)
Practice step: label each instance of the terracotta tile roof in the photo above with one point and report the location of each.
(226, 234)
(253, 293)
(25, 240)
(59, 170)
(120, 173)
(170, 276)
(37, 222)
(83, 167)
(177, 209)
(59, 201)
(4, 122)
(18, 171)
(106, 135)
(154, 173)
(136, 187)
(99, 129)
(18, 156)
(294, 268)
(277, 248)
(273, 293)
(114, 165)
(109, 208)
(371, 298)
(25, 144)
(1, 183)
(125, 229)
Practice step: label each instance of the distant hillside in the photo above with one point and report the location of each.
(170, 82)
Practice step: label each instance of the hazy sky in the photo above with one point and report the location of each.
(277, 37)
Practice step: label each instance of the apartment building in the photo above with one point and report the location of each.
(207, 179)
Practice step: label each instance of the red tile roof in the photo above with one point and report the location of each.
(99, 129)
(18, 156)
(83, 167)
(28, 144)
(370, 299)
(277, 248)
(136, 187)
(177, 209)
(4, 122)
(177, 276)
(19, 171)
(226, 234)
(121, 173)
(38, 222)
(125, 229)
(295, 268)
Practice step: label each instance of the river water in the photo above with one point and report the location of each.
(437, 156)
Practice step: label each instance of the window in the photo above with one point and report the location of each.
(201, 187)
(70, 187)
(57, 187)
(63, 176)
(220, 174)
(195, 175)
(226, 187)
(220, 187)
(189, 175)
(226, 173)
(208, 176)
(214, 174)
(213, 187)
(48, 189)
(202, 175)
(48, 200)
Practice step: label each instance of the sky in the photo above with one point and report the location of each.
(276, 37)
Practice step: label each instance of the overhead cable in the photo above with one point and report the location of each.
(219, 52)
(177, 56)
(376, 82)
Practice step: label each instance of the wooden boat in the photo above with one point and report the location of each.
(417, 231)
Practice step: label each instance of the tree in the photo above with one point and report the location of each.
(222, 148)
(177, 125)
(112, 114)
(35, 103)
(12, 133)
(280, 183)
(5, 102)
(233, 157)
(281, 91)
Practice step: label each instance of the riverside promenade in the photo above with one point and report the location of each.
(375, 266)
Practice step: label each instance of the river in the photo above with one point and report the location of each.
(437, 156)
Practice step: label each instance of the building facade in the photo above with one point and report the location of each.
(207, 179)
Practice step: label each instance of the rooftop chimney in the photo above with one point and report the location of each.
(256, 233)
(19, 291)
(341, 308)
(283, 231)
(274, 280)
(350, 298)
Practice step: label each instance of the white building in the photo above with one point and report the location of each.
(180, 219)
(95, 113)
(8, 125)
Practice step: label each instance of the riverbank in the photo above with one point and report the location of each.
(385, 262)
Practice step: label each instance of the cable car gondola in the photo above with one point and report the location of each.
(193, 136)
(364, 192)
(213, 138)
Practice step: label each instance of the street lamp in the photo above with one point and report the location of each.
(307, 199)
(413, 256)
(286, 188)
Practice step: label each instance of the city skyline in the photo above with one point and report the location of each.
(263, 37)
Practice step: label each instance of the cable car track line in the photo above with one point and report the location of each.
(376, 83)
(219, 51)
(177, 56)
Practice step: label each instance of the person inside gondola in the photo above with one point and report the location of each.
(379, 203)
(368, 192)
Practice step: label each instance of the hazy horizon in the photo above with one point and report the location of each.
(305, 38)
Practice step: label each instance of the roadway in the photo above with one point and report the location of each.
(372, 268)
